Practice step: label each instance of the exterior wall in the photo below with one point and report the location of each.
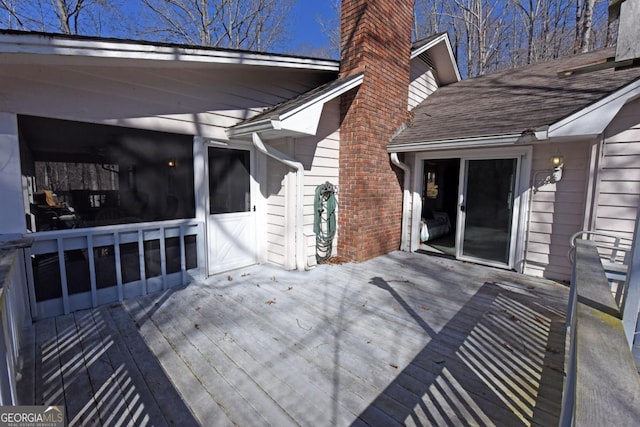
(320, 156)
(12, 218)
(278, 236)
(377, 35)
(423, 82)
(618, 184)
(190, 99)
(557, 209)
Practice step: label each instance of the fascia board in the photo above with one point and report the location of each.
(479, 142)
(325, 97)
(593, 119)
(303, 119)
(426, 47)
(443, 38)
(49, 45)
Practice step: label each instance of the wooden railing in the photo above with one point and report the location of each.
(57, 257)
(13, 313)
(602, 384)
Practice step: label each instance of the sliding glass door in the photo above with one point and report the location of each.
(486, 210)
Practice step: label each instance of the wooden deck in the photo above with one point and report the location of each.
(401, 339)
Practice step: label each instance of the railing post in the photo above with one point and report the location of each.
(63, 275)
(631, 305)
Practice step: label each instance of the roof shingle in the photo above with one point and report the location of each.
(512, 101)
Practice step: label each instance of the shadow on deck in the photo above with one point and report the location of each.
(401, 339)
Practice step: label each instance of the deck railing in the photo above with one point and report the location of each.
(69, 270)
(602, 384)
(13, 313)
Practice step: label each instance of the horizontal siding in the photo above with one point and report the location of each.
(619, 175)
(321, 160)
(557, 209)
(422, 82)
(319, 155)
(276, 212)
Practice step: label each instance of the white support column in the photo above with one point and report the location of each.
(12, 219)
(632, 299)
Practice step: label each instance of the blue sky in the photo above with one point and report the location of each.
(305, 28)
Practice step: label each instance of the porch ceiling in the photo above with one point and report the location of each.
(399, 339)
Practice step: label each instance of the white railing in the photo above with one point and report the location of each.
(602, 385)
(614, 251)
(13, 311)
(60, 244)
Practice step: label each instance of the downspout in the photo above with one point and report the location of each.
(405, 243)
(288, 161)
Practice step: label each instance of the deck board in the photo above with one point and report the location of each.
(403, 339)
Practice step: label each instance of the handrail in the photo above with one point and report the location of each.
(620, 243)
(602, 385)
(13, 311)
(616, 269)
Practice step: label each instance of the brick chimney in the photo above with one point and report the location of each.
(375, 39)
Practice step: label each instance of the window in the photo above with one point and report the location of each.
(87, 175)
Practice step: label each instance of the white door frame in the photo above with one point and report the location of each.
(462, 214)
(521, 197)
(201, 178)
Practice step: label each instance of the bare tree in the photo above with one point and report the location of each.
(11, 18)
(482, 25)
(240, 24)
(584, 24)
(89, 17)
(331, 28)
(490, 35)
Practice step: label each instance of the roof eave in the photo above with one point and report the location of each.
(459, 143)
(453, 70)
(309, 112)
(593, 119)
(48, 44)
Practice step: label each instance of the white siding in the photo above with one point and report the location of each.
(320, 156)
(619, 174)
(277, 219)
(423, 82)
(557, 209)
(191, 99)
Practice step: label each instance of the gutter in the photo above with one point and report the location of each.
(405, 243)
(82, 46)
(447, 144)
(288, 161)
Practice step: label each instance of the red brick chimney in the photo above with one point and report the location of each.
(375, 39)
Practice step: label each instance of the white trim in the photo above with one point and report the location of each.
(405, 244)
(593, 119)
(301, 262)
(443, 38)
(56, 45)
(254, 186)
(459, 143)
(523, 153)
(303, 119)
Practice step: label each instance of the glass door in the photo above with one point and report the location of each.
(486, 203)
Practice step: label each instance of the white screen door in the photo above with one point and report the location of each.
(231, 217)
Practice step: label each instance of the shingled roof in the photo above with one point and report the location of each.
(513, 101)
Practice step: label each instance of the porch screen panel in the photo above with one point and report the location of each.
(229, 181)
